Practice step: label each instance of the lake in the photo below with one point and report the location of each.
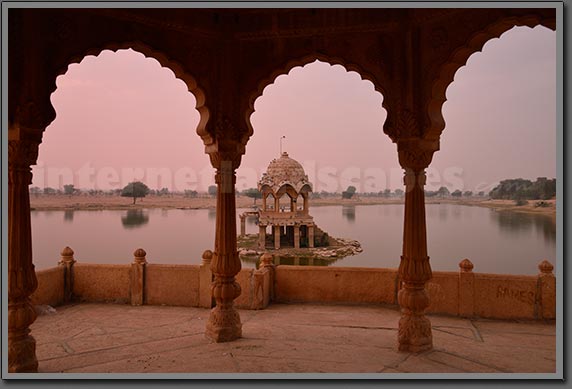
(495, 241)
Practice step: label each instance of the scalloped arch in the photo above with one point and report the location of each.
(459, 59)
(286, 67)
(166, 62)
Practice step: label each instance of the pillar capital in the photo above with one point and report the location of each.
(416, 153)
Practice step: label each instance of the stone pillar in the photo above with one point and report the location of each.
(414, 333)
(310, 236)
(22, 280)
(296, 236)
(67, 261)
(306, 203)
(466, 289)
(205, 281)
(276, 237)
(224, 321)
(242, 225)
(276, 204)
(261, 236)
(138, 277)
(264, 196)
(547, 291)
(292, 204)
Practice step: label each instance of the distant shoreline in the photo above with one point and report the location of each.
(103, 202)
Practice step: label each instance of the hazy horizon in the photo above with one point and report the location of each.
(122, 117)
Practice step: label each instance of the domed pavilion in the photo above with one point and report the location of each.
(292, 225)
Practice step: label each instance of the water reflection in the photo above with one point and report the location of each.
(134, 218)
(68, 216)
(496, 242)
(516, 223)
(291, 260)
(349, 213)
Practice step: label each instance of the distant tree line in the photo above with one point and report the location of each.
(521, 189)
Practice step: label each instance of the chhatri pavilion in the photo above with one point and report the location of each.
(291, 225)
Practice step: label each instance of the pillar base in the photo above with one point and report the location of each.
(224, 325)
(414, 333)
(22, 354)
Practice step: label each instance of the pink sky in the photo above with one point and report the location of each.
(121, 116)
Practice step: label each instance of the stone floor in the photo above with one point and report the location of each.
(107, 338)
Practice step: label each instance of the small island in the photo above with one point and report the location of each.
(294, 232)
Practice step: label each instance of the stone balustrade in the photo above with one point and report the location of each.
(463, 293)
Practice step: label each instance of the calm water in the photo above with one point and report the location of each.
(496, 242)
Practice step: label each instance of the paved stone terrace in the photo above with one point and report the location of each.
(304, 338)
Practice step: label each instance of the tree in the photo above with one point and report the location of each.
(35, 190)
(253, 193)
(481, 193)
(457, 193)
(49, 191)
(399, 192)
(443, 191)
(191, 193)
(468, 193)
(69, 189)
(349, 193)
(387, 193)
(135, 190)
(162, 192)
(212, 190)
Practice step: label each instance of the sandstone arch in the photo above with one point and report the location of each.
(459, 58)
(286, 67)
(164, 60)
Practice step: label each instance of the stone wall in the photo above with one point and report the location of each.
(331, 284)
(177, 285)
(101, 283)
(462, 293)
(50, 289)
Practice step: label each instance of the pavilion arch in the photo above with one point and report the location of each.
(459, 58)
(287, 189)
(285, 68)
(164, 60)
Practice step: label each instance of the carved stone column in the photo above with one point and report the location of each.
(310, 236)
(276, 237)
(296, 236)
(414, 270)
(224, 322)
(261, 236)
(242, 225)
(22, 280)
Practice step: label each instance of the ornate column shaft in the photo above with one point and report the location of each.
(296, 236)
(224, 322)
(310, 236)
(414, 269)
(242, 225)
(22, 280)
(277, 234)
(261, 236)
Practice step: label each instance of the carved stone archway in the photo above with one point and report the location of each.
(459, 56)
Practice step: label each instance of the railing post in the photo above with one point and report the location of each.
(546, 291)
(138, 277)
(266, 262)
(67, 261)
(205, 281)
(466, 289)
